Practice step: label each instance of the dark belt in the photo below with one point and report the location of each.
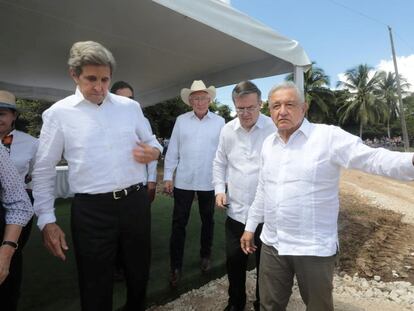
(116, 194)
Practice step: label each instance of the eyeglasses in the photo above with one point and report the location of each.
(200, 99)
(246, 109)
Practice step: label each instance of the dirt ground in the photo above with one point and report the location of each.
(376, 230)
(374, 240)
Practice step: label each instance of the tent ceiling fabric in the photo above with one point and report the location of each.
(160, 46)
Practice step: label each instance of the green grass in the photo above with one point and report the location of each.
(50, 284)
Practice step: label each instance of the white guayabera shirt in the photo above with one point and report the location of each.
(237, 164)
(191, 151)
(97, 142)
(297, 195)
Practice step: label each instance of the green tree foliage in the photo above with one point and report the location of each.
(361, 104)
(387, 92)
(265, 108)
(162, 116)
(317, 94)
(408, 103)
(222, 110)
(30, 116)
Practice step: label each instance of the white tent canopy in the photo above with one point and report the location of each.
(160, 46)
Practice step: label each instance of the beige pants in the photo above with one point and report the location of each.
(314, 275)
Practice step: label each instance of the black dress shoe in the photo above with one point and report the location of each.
(175, 277)
(205, 264)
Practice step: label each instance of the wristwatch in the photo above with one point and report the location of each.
(10, 243)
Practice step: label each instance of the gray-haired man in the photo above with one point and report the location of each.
(297, 197)
(104, 139)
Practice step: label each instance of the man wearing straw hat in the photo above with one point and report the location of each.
(191, 151)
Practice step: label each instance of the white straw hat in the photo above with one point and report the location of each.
(197, 85)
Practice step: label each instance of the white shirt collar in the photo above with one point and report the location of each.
(305, 129)
(260, 123)
(208, 115)
(79, 98)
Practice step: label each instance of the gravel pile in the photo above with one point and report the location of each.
(351, 293)
(399, 292)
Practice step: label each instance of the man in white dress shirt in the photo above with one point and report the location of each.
(106, 143)
(191, 151)
(237, 165)
(123, 88)
(297, 198)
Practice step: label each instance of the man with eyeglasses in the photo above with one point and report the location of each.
(190, 154)
(237, 165)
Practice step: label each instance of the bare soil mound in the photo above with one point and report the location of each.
(374, 238)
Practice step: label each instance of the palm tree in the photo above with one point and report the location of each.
(387, 92)
(317, 93)
(362, 103)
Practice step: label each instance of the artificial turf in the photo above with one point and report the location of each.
(50, 284)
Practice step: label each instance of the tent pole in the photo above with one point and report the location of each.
(298, 77)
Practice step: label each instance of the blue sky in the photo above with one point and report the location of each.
(337, 34)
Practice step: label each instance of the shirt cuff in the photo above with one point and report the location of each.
(221, 188)
(250, 226)
(45, 219)
(168, 175)
(152, 179)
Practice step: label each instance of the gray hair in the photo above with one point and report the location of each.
(288, 85)
(246, 88)
(89, 53)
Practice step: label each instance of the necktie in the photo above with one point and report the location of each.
(7, 141)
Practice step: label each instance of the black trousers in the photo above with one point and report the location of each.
(10, 288)
(183, 200)
(99, 226)
(236, 262)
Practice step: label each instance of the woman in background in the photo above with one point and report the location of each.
(21, 149)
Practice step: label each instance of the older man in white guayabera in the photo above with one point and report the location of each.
(191, 151)
(237, 165)
(297, 197)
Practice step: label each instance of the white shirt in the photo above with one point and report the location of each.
(152, 166)
(191, 151)
(96, 141)
(238, 158)
(23, 152)
(297, 195)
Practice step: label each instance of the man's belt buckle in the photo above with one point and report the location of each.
(119, 194)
